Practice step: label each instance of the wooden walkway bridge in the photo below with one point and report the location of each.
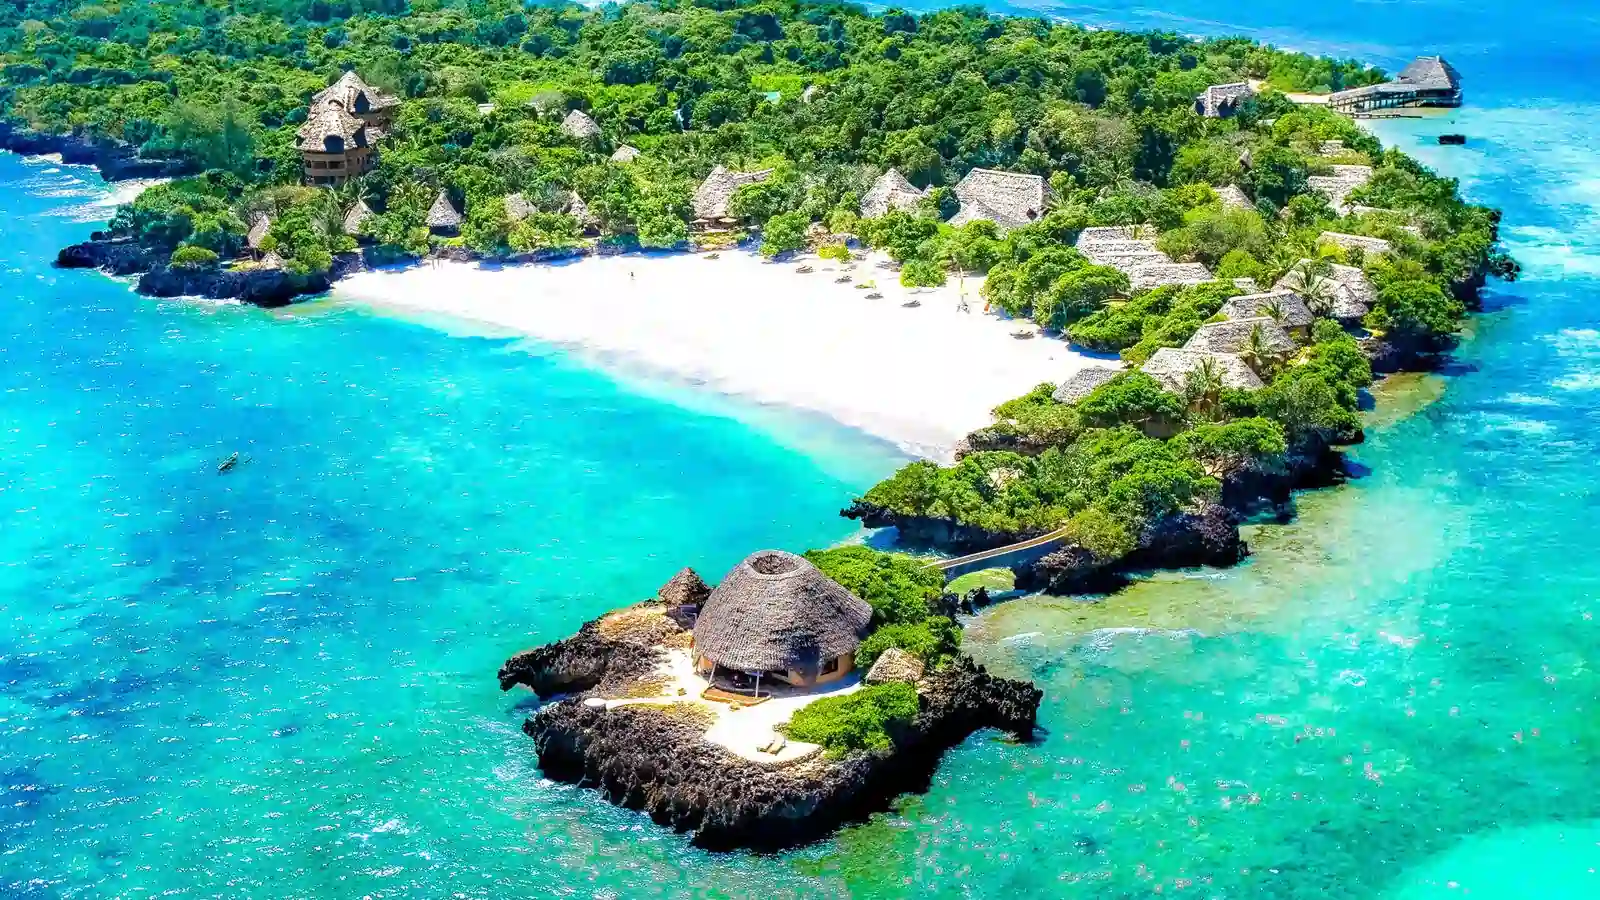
(1011, 556)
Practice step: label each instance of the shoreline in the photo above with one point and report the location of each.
(921, 377)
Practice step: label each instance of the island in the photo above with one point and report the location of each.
(766, 711)
(1224, 258)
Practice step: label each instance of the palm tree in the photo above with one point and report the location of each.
(1314, 277)
(1203, 388)
(1257, 352)
(1275, 310)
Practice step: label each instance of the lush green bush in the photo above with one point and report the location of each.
(191, 257)
(899, 588)
(784, 232)
(859, 721)
(1227, 446)
(933, 640)
(922, 273)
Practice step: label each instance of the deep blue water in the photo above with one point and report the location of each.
(279, 682)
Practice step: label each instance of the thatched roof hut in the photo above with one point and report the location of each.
(625, 154)
(259, 228)
(1330, 148)
(270, 261)
(1350, 294)
(357, 214)
(1008, 199)
(1156, 275)
(1097, 233)
(579, 126)
(1370, 246)
(443, 215)
(576, 208)
(895, 664)
(1172, 367)
(1290, 308)
(328, 128)
(1221, 100)
(1235, 335)
(890, 191)
(1083, 383)
(684, 589)
(1247, 284)
(711, 198)
(354, 96)
(777, 612)
(1427, 81)
(1338, 186)
(1234, 198)
(518, 207)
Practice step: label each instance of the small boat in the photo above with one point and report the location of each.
(228, 464)
(805, 270)
(1453, 139)
(865, 286)
(713, 256)
(842, 279)
(1025, 334)
(874, 296)
(912, 305)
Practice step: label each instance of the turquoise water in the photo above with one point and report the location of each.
(280, 682)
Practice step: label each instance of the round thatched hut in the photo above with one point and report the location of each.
(776, 617)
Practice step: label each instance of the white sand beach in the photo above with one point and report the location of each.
(920, 377)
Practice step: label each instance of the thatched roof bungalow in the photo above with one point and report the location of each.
(1235, 336)
(1157, 275)
(776, 616)
(895, 664)
(1083, 383)
(443, 217)
(1350, 295)
(353, 219)
(578, 126)
(1233, 197)
(518, 207)
(625, 154)
(1222, 100)
(1285, 307)
(1369, 246)
(260, 227)
(1172, 368)
(890, 191)
(710, 200)
(576, 208)
(1008, 199)
(1338, 186)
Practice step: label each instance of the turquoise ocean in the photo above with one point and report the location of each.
(280, 683)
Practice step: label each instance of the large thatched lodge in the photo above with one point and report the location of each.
(343, 125)
(776, 618)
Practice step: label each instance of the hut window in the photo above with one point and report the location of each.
(831, 666)
(333, 143)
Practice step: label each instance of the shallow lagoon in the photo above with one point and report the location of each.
(280, 683)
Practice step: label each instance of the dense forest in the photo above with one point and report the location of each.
(828, 97)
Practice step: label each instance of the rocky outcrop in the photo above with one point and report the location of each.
(927, 531)
(116, 160)
(1207, 536)
(258, 286)
(649, 758)
(115, 256)
(597, 659)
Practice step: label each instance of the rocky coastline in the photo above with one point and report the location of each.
(116, 160)
(653, 757)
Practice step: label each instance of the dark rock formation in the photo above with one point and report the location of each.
(926, 531)
(602, 658)
(261, 287)
(1208, 536)
(651, 759)
(116, 256)
(116, 160)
